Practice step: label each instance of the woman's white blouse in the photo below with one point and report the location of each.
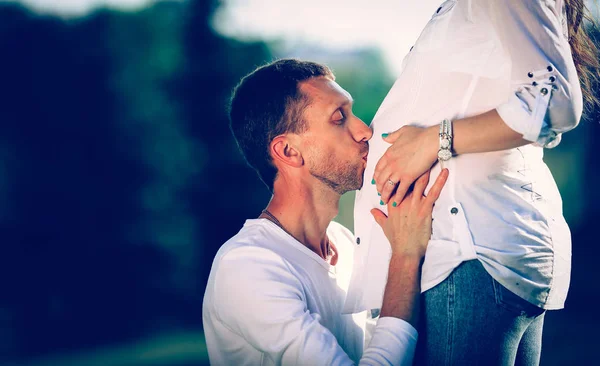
(502, 208)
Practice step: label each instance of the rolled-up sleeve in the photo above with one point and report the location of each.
(258, 297)
(393, 343)
(545, 99)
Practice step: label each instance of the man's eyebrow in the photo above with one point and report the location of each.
(347, 101)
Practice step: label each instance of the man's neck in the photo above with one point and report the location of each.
(305, 214)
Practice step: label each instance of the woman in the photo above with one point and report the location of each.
(505, 75)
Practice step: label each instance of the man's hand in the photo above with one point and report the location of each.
(408, 226)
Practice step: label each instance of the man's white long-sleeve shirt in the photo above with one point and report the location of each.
(272, 301)
(502, 208)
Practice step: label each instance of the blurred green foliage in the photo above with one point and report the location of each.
(119, 181)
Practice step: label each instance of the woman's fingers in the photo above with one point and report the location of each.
(390, 138)
(401, 192)
(389, 186)
(379, 174)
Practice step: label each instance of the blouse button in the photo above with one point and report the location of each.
(454, 210)
(358, 241)
(530, 74)
(544, 91)
(552, 79)
(550, 68)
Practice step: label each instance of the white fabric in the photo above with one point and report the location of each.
(272, 301)
(474, 56)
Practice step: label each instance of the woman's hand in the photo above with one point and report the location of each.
(413, 152)
(408, 225)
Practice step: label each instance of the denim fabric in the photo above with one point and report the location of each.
(470, 319)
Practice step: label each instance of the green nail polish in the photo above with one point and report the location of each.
(379, 194)
(394, 204)
(373, 181)
(381, 202)
(384, 135)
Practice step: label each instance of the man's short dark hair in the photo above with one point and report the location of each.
(267, 103)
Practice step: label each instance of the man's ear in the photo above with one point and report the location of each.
(284, 150)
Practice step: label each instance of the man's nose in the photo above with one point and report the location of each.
(361, 132)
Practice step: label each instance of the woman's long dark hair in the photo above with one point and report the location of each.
(584, 50)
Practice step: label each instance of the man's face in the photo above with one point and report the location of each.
(335, 144)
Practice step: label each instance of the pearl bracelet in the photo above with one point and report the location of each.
(445, 151)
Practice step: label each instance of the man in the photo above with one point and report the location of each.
(276, 289)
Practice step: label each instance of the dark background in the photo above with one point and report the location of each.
(119, 180)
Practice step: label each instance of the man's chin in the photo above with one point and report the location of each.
(358, 185)
(344, 181)
(361, 178)
(343, 189)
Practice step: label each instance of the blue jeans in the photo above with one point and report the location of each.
(470, 319)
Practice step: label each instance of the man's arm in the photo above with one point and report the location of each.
(408, 228)
(402, 290)
(257, 295)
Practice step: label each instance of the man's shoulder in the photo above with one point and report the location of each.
(248, 259)
(246, 274)
(252, 242)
